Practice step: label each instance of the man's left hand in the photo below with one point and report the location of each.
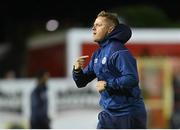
(101, 85)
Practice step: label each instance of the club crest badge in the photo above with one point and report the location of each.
(104, 60)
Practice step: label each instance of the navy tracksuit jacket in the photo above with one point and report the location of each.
(39, 108)
(113, 63)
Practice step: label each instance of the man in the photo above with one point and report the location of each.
(175, 118)
(39, 103)
(116, 71)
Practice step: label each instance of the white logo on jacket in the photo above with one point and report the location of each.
(104, 60)
(96, 60)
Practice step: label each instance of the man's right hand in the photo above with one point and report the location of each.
(80, 62)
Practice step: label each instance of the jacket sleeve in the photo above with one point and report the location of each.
(125, 65)
(85, 76)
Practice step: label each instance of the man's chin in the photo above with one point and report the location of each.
(96, 40)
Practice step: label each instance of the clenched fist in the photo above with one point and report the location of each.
(101, 85)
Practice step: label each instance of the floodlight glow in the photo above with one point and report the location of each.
(52, 25)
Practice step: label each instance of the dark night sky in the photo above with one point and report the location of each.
(19, 13)
(16, 15)
(28, 11)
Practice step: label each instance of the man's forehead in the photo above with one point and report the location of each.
(100, 19)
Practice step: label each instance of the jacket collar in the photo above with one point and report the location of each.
(122, 33)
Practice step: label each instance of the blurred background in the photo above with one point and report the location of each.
(50, 35)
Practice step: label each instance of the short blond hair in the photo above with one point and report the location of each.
(110, 16)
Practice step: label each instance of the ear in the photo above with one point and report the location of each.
(111, 28)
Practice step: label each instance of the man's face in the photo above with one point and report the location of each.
(101, 28)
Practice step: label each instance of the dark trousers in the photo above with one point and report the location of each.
(107, 121)
(39, 125)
